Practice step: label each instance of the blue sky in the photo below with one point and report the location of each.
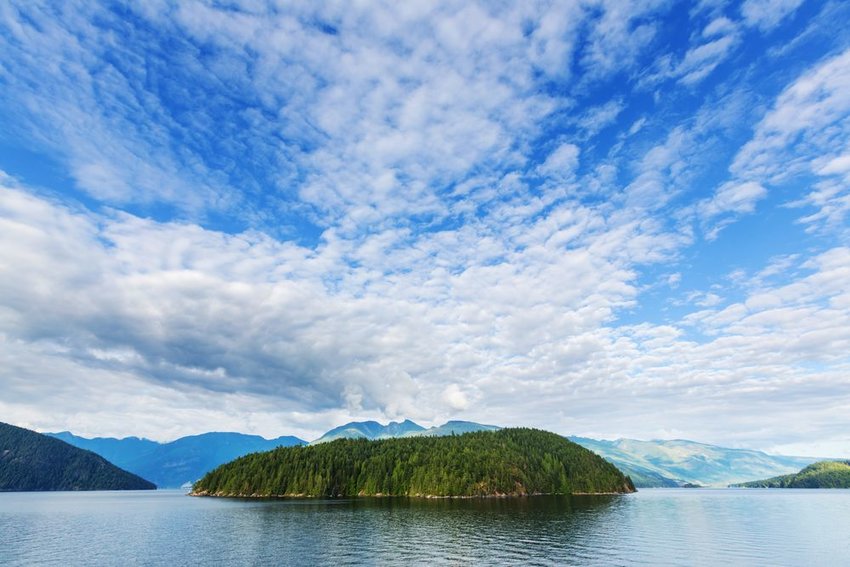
(602, 218)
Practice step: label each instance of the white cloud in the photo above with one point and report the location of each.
(186, 316)
(620, 35)
(562, 162)
(701, 60)
(597, 118)
(767, 14)
(455, 398)
(719, 26)
(730, 198)
(803, 132)
(837, 165)
(458, 258)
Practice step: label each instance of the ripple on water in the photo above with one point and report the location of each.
(653, 527)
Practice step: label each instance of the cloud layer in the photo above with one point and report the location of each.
(280, 217)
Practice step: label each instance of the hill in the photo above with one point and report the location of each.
(662, 463)
(32, 461)
(823, 474)
(506, 462)
(179, 462)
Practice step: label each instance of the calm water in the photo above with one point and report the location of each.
(653, 527)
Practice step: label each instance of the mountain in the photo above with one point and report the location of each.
(32, 461)
(185, 460)
(373, 430)
(508, 462)
(661, 463)
(823, 474)
(456, 428)
(370, 430)
(119, 451)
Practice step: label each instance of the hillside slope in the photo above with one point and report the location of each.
(31, 461)
(823, 474)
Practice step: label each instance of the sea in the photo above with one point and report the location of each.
(761, 527)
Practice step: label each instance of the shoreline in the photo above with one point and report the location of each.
(416, 496)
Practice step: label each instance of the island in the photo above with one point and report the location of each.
(508, 462)
(823, 474)
(30, 461)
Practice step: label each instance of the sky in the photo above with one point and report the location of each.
(605, 218)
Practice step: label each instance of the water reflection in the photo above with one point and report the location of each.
(662, 527)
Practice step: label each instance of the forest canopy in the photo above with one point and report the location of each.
(509, 462)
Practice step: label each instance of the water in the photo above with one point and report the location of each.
(652, 527)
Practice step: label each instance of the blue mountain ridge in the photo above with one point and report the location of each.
(370, 430)
(656, 463)
(374, 430)
(179, 462)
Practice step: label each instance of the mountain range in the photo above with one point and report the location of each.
(678, 462)
(657, 463)
(374, 430)
(179, 462)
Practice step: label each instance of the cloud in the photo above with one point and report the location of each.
(802, 133)
(707, 50)
(562, 162)
(597, 118)
(191, 316)
(282, 218)
(620, 35)
(767, 14)
(701, 60)
(731, 198)
(243, 314)
(455, 398)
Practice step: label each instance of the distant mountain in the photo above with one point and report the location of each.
(455, 428)
(823, 474)
(185, 460)
(678, 462)
(659, 463)
(31, 461)
(373, 430)
(121, 451)
(370, 430)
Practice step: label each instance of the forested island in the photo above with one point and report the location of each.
(823, 474)
(30, 461)
(508, 462)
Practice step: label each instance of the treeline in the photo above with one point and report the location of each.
(505, 462)
(823, 474)
(32, 461)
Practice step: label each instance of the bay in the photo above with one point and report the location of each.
(652, 527)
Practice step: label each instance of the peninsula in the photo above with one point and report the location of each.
(508, 462)
(823, 474)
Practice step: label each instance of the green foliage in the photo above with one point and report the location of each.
(823, 474)
(31, 461)
(505, 462)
